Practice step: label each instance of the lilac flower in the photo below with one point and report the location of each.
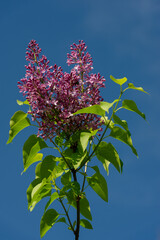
(54, 95)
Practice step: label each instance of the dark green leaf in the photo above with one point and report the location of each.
(18, 122)
(99, 185)
(62, 219)
(120, 81)
(86, 224)
(122, 123)
(131, 106)
(74, 158)
(30, 150)
(131, 86)
(106, 151)
(47, 166)
(47, 221)
(123, 136)
(84, 208)
(66, 178)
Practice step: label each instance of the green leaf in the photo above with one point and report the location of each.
(30, 150)
(47, 166)
(66, 178)
(120, 81)
(122, 123)
(22, 103)
(106, 105)
(62, 219)
(37, 190)
(86, 224)
(106, 165)
(95, 109)
(99, 185)
(84, 208)
(74, 158)
(106, 151)
(84, 138)
(47, 221)
(37, 170)
(131, 106)
(18, 122)
(121, 135)
(107, 121)
(53, 197)
(131, 86)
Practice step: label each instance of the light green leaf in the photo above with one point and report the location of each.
(84, 138)
(120, 81)
(84, 208)
(106, 151)
(66, 178)
(131, 106)
(131, 86)
(53, 197)
(86, 224)
(22, 103)
(37, 190)
(47, 221)
(107, 121)
(106, 105)
(123, 136)
(99, 185)
(30, 150)
(18, 122)
(122, 123)
(106, 165)
(95, 109)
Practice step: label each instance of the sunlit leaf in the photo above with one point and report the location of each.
(84, 138)
(30, 150)
(18, 122)
(95, 109)
(120, 134)
(131, 106)
(47, 221)
(131, 86)
(120, 81)
(106, 105)
(22, 103)
(37, 190)
(53, 197)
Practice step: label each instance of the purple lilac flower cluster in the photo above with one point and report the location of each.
(55, 95)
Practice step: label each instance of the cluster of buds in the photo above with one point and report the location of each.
(55, 95)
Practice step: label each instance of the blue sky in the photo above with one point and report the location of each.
(123, 38)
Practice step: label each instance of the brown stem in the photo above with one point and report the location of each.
(78, 208)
